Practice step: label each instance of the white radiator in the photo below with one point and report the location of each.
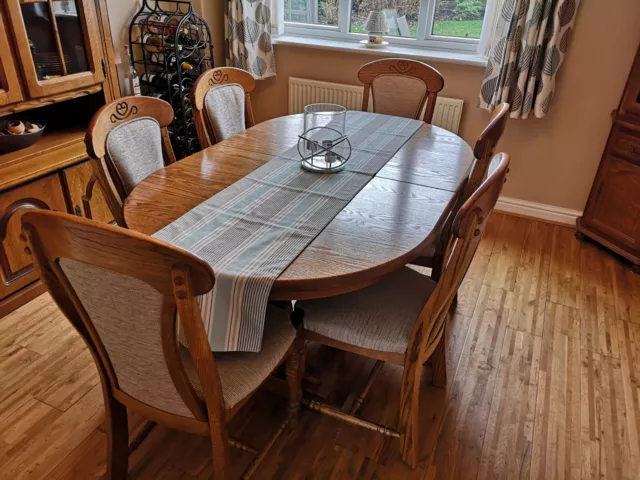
(303, 92)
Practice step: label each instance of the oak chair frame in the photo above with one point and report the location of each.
(427, 337)
(180, 277)
(407, 67)
(483, 152)
(214, 78)
(110, 116)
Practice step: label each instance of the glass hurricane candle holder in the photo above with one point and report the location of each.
(324, 146)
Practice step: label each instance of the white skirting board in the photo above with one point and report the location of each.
(540, 211)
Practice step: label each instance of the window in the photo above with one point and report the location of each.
(446, 24)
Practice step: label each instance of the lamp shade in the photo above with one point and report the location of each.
(376, 22)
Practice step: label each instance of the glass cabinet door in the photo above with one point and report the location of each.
(10, 91)
(59, 44)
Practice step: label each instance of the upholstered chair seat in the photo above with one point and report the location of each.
(127, 294)
(379, 317)
(402, 320)
(242, 372)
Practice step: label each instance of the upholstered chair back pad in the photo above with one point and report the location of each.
(225, 110)
(398, 95)
(126, 314)
(135, 150)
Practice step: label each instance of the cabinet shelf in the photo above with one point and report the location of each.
(55, 150)
(41, 102)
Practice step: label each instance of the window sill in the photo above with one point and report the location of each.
(391, 50)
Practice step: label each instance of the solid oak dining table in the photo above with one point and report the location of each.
(386, 225)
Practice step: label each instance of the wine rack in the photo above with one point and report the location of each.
(170, 46)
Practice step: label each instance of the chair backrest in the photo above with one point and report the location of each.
(485, 147)
(121, 290)
(219, 112)
(468, 227)
(127, 140)
(401, 87)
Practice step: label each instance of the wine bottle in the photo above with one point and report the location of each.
(132, 74)
(159, 59)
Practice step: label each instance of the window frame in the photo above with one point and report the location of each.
(424, 37)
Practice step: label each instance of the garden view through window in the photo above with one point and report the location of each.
(449, 18)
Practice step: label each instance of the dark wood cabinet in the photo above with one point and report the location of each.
(612, 214)
(56, 69)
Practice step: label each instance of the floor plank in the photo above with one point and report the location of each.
(543, 362)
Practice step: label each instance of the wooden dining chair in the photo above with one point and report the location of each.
(127, 141)
(483, 152)
(402, 318)
(222, 104)
(122, 290)
(401, 87)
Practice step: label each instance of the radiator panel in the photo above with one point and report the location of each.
(303, 92)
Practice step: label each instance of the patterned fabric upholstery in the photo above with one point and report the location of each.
(398, 95)
(126, 314)
(224, 106)
(380, 317)
(242, 372)
(135, 148)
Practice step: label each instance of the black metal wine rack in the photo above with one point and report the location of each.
(170, 48)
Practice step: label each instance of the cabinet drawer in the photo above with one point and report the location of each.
(626, 145)
(16, 270)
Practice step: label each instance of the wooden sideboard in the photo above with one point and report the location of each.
(612, 214)
(57, 67)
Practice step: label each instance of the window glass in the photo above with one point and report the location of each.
(318, 12)
(459, 18)
(401, 16)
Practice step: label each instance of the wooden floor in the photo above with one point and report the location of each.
(543, 366)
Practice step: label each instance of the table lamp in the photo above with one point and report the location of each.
(376, 26)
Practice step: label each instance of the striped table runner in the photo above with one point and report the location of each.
(251, 231)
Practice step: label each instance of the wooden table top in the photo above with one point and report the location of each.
(393, 218)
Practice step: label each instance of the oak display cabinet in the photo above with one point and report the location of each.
(56, 68)
(612, 214)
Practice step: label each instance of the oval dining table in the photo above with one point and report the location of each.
(385, 226)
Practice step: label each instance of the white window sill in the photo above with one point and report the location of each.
(418, 53)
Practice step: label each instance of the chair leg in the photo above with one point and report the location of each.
(294, 372)
(439, 365)
(219, 450)
(117, 439)
(408, 422)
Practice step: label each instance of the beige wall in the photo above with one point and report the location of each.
(554, 159)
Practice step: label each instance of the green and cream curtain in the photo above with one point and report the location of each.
(248, 36)
(530, 41)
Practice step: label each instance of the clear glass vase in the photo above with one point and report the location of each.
(324, 146)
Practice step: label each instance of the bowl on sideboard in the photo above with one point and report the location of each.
(10, 143)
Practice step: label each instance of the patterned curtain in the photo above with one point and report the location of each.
(248, 37)
(530, 41)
